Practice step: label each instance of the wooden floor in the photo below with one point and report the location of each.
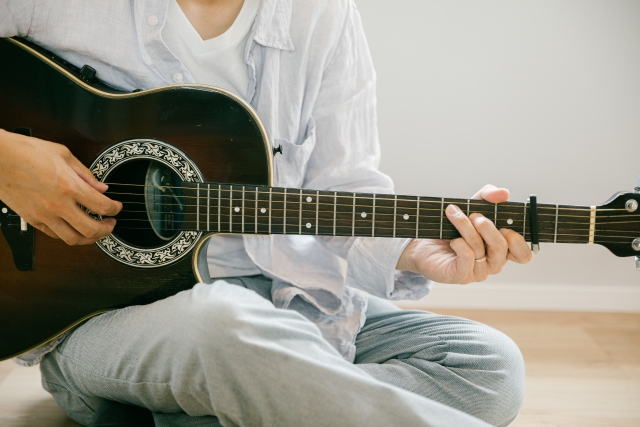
(583, 370)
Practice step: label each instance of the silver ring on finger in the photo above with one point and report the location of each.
(481, 259)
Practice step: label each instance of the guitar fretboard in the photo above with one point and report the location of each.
(246, 209)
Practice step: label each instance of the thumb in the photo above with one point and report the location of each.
(492, 194)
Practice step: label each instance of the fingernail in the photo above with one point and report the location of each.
(453, 209)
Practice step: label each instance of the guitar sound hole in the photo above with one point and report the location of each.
(153, 203)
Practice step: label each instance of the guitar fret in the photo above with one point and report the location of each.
(417, 218)
(335, 204)
(300, 214)
(353, 220)
(208, 200)
(256, 212)
(373, 218)
(270, 194)
(242, 217)
(198, 206)
(317, 209)
(592, 224)
(219, 203)
(395, 214)
(284, 214)
(495, 215)
(441, 216)
(468, 204)
(231, 208)
(524, 221)
(555, 232)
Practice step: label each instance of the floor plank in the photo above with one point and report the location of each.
(583, 370)
(5, 368)
(23, 402)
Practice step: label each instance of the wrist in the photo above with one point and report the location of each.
(406, 260)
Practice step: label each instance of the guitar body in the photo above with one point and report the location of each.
(186, 162)
(68, 285)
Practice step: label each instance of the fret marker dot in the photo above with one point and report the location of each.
(308, 225)
(509, 221)
(363, 214)
(263, 210)
(405, 216)
(309, 199)
(237, 209)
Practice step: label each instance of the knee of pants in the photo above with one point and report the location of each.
(78, 407)
(479, 370)
(501, 376)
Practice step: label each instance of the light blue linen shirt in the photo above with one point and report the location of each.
(312, 83)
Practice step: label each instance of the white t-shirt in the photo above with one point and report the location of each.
(217, 62)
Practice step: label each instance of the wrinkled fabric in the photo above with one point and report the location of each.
(221, 354)
(312, 83)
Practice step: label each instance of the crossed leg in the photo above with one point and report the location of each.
(221, 354)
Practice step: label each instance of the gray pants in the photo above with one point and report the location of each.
(221, 354)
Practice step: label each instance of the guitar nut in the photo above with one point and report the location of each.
(631, 205)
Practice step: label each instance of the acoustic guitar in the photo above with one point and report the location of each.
(190, 161)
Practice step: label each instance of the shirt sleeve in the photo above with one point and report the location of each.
(15, 17)
(346, 158)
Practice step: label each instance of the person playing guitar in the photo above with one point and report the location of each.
(285, 335)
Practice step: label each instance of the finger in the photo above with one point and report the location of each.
(496, 245)
(46, 230)
(65, 232)
(88, 227)
(85, 174)
(96, 202)
(465, 261)
(492, 194)
(466, 229)
(519, 251)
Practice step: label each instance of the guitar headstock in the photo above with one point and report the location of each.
(617, 224)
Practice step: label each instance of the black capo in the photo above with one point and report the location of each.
(533, 223)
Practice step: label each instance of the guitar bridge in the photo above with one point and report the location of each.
(20, 236)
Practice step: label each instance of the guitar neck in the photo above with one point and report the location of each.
(246, 209)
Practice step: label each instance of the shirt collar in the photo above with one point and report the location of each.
(273, 23)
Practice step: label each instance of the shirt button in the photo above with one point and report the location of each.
(177, 77)
(153, 20)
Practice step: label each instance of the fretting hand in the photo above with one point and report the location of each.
(44, 184)
(481, 251)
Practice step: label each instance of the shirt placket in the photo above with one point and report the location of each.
(150, 19)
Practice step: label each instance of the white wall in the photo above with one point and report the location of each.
(539, 96)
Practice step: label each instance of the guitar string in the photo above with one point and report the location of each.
(488, 205)
(490, 213)
(456, 234)
(408, 223)
(473, 202)
(450, 228)
(600, 224)
(391, 228)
